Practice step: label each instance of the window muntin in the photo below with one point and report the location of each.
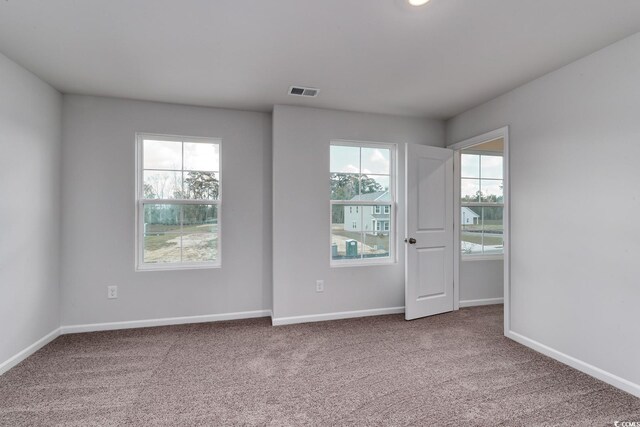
(178, 202)
(362, 196)
(482, 203)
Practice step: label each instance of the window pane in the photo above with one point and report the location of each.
(491, 167)
(199, 247)
(376, 160)
(470, 165)
(470, 190)
(201, 185)
(345, 159)
(471, 230)
(376, 245)
(374, 184)
(482, 230)
(162, 248)
(201, 156)
(162, 240)
(200, 218)
(376, 232)
(161, 218)
(471, 217)
(346, 232)
(162, 154)
(492, 226)
(162, 185)
(491, 190)
(344, 186)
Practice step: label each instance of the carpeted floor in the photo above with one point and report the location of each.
(452, 369)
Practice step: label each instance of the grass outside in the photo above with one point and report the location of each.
(490, 239)
(489, 225)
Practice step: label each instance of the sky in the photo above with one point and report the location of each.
(488, 168)
(167, 156)
(356, 159)
(198, 156)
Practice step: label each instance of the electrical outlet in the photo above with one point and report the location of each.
(319, 285)
(112, 292)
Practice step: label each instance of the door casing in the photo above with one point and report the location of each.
(503, 133)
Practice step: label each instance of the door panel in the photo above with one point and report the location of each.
(431, 274)
(429, 261)
(431, 194)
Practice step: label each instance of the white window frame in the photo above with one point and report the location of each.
(140, 201)
(392, 258)
(481, 256)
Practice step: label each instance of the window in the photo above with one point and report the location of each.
(482, 203)
(178, 202)
(362, 176)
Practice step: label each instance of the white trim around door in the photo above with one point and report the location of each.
(485, 137)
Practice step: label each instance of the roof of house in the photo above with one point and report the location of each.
(382, 196)
(471, 212)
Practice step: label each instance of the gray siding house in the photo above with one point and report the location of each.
(370, 219)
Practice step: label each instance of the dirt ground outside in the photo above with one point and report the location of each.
(372, 245)
(183, 248)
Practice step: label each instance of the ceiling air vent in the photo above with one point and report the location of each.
(303, 91)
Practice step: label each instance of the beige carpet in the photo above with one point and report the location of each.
(454, 369)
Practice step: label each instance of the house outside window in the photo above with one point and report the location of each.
(178, 195)
(362, 176)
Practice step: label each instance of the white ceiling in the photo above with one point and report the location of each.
(365, 55)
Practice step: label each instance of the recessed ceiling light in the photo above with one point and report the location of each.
(418, 2)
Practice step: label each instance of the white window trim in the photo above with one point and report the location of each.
(393, 182)
(141, 201)
(482, 256)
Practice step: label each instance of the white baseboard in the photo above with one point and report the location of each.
(588, 369)
(109, 326)
(477, 302)
(14, 360)
(335, 316)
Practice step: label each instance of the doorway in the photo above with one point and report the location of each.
(481, 223)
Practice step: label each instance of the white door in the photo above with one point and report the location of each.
(429, 231)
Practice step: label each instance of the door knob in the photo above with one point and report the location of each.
(410, 240)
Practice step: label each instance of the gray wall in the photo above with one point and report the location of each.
(575, 147)
(301, 138)
(480, 280)
(98, 225)
(30, 140)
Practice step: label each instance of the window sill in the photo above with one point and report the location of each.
(465, 258)
(176, 267)
(362, 264)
